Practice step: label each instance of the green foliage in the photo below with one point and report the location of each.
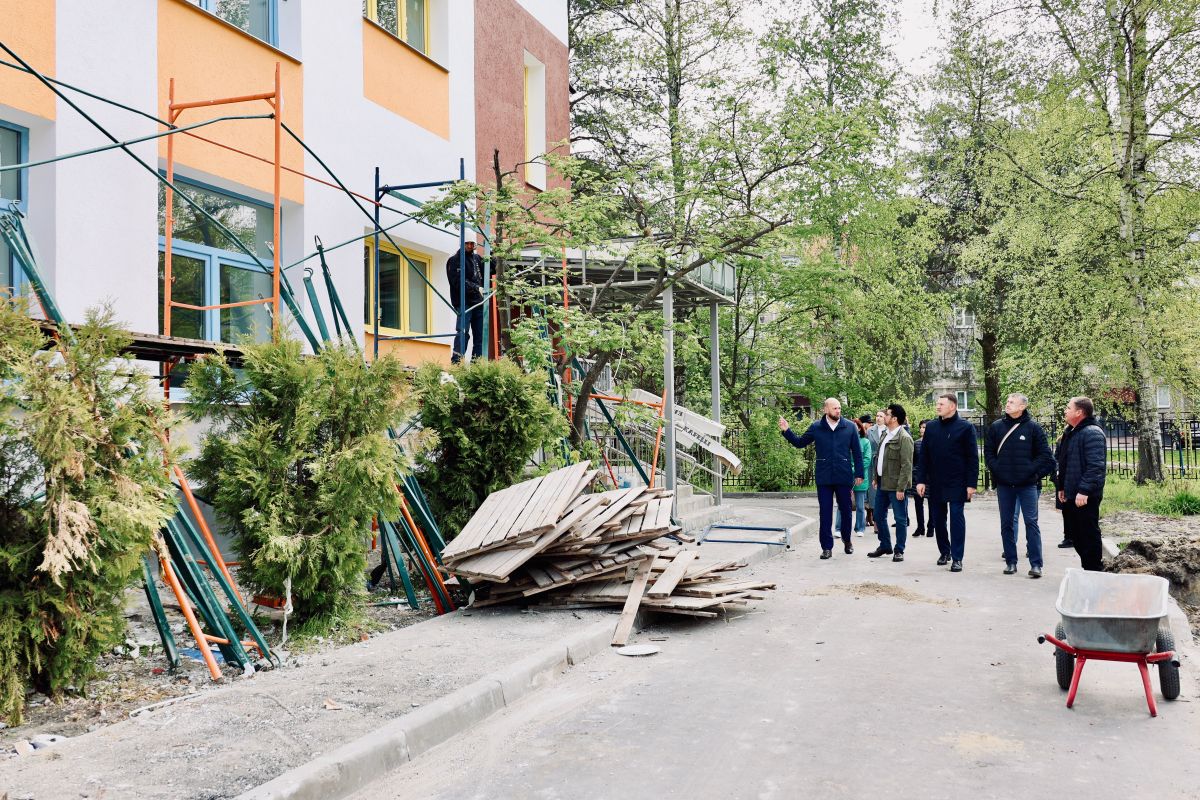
(772, 464)
(490, 417)
(297, 461)
(83, 494)
(1181, 504)
(1170, 499)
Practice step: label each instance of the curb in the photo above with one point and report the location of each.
(362, 761)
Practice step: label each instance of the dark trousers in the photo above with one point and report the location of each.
(845, 503)
(919, 510)
(1082, 526)
(950, 522)
(473, 324)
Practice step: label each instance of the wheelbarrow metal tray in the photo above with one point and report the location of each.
(1120, 613)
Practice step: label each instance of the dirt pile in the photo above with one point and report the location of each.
(1176, 558)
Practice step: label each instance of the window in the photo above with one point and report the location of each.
(535, 121)
(207, 268)
(255, 17)
(964, 318)
(962, 359)
(965, 398)
(407, 20)
(403, 297)
(1164, 396)
(13, 150)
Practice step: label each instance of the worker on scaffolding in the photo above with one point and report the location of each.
(470, 265)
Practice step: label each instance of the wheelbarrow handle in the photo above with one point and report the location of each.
(1061, 645)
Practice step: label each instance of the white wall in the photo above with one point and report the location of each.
(551, 13)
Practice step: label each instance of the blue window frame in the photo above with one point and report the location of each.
(14, 187)
(207, 269)
(259, 18)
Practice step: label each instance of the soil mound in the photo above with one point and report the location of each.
(1176, 558)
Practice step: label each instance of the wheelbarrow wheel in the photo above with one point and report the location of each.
(1064, 662)
(1168, 673)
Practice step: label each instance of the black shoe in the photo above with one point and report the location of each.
(899, 556)
(826, 554)
(1066, 543)
(956, 566)
(1035, 572)
(918, 532)
(1010, 569)
(879, 551)
(943, 561)
(848, 547)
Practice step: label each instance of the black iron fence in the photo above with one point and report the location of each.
(1180, 434)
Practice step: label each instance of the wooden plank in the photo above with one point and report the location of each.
(508, 527)
(629, 612)
(555, 487)
(500, 514)
(666, 583)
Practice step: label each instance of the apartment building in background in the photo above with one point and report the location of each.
(388, 84)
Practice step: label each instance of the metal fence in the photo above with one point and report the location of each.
(1180, 447)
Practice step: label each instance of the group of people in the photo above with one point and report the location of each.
(870, 471)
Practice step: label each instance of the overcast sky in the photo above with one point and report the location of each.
(916, 38)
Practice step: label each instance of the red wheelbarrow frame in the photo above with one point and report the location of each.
(1082, 656)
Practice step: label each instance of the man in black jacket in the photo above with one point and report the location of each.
(1080, 481)
(470, 316)
(950, 473)
(1018, 455)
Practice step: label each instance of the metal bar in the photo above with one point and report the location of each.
(316, 306)
(222, 101)
(392, 540)
(373, 289)
(160, 614)
(637, 464)
(169, 216)
(669, 391)
(461, 340)
(172, 579)
(277, 212)
(427, 185)
(208, 537)
(714, 361)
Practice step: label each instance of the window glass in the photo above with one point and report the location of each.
(10, 153)
(252, 16)
(238, 285)
(404, 19)
(187, 286)
(389, 290)
(414, 29)
(387, 14)
(418, 298)
(250, 222)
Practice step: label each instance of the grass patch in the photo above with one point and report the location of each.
(1171, 498)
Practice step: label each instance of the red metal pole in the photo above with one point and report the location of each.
(275, 222)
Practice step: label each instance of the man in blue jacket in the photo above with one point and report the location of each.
(1018, 456)
(1080, 481)
(950, 473)
(838, 449)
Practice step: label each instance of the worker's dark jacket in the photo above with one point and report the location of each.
(949, 459)
(1082, 465)
(474, 264)
(839, 454)
(1025, 457)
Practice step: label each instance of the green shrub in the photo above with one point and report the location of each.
(771, 463)
(297, 461)
(490, 417)
(1181, 504)
(83, 494)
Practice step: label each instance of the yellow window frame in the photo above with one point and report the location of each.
(422, 260)
(372, 13)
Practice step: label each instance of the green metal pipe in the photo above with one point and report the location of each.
(316, 307)
(160, 614)
(196, 586)
(391, 541)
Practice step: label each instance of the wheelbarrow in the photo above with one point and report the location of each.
(1109, 617)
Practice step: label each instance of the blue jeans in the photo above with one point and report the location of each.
(1021, 500)
(943, 515)
(825, 498)
(884, 500)
(860, 513)
(472, 324)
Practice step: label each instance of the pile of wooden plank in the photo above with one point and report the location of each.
(550, 539)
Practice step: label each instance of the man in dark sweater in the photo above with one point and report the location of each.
(470, 316)
(839, 467)
(1080, 481)
(950, 473)
(1018, 456)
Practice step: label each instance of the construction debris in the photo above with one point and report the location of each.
(548, 538)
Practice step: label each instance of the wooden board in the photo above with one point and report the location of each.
(629, 612)
(670, 577)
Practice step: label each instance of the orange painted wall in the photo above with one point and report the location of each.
(28, 28)
(412, 352)
(209, 59)
(405, 83)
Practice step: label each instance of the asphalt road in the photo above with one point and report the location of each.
(857, 678)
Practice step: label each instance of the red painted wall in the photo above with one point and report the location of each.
(504, 32)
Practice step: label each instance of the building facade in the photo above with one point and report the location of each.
(365, 84)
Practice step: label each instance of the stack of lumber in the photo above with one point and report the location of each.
(549, 537)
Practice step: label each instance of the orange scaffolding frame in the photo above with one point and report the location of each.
(174, 111)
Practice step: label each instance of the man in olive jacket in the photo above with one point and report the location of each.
(950, 470)
(894, 469)
(838, 448)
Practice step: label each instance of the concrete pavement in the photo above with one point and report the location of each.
(857, 678)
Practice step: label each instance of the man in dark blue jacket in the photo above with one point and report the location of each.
(1018, 456)
(838, 449)
(1080, 481)
(950, 471)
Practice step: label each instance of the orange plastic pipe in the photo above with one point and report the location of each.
(246, 98)
(419, 535)
(276, 244)
(657, 442)
(190, 616)
(208, 537)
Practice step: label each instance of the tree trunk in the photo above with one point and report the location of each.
(586, 386)
(989, 346)
(504, 335)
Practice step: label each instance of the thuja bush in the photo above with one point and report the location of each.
(83, 494)
(490, 417)
(297, 460)
(772, 464)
